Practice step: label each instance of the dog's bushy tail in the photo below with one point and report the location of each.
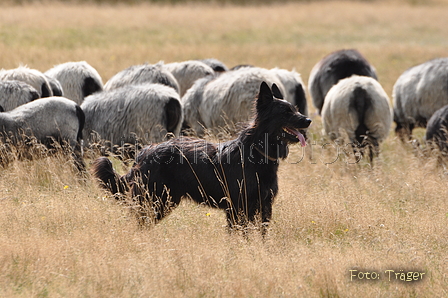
(103, 170)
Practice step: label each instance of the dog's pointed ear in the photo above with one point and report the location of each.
(265, 95)
(276, 92)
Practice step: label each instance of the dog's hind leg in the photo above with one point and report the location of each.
(152, 204)
(163, 203)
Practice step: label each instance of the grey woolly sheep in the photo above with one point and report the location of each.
(78, 79)
(16, 93)
(133, 112)
(47, 119)
(294, 88)
(215, 64)
(360, 107)
(56, 87)
(334, 67)
(187, 72)
(418, 93)
(144, 73)
(223, 100)
(30, 76)
(437, 129)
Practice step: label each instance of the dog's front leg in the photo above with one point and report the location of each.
(266, 213)
(232, 218)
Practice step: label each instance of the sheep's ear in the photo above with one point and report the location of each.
(276, 92)
(265, 95)
(1, 109)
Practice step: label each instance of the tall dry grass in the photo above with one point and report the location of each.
(62, 236)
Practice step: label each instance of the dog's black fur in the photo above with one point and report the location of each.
(239, 176)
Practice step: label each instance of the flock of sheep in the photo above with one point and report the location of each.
(146, 103)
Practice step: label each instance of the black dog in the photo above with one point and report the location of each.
(239, 176)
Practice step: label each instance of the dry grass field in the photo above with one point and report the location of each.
(61, 236)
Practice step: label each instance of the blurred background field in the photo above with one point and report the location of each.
(215, 2)
(62, 237)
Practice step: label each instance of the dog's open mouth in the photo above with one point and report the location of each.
(296, 133)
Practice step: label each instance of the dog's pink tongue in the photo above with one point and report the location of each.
(298, 135)
(301, 139)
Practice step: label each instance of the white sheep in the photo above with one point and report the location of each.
(78, 79)
(220, 101)
(16, 93)
(30, 76)
(133, 113)
(418, 93)
(47, 119)
(334, 67)
(359, 107)
(187, 72)
(144, 73)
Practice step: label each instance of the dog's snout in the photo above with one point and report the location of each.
(307, 121)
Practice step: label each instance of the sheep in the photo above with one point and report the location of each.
(294, 88)
(417, 94)
(217, 65)
(334, 67)
(55, 85)
(187, 72)
(16, 93)
(133, 113)
(219, 101)
(359, 107)
(437, 129)
(78, 79)
(47, 119)
(239, 66)
(144, 73)
(30, 76)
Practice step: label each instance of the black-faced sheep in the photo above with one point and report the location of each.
(30, 76)
(78, 79)
(437, 129)
(334, 67)
(55, 86)
(220, 101)
(48, 120)
(16, 93)
(418, 93)
(187, 72)
(294, 88)
(359, 107)
(133, 113)
(141, 74)
(217, 65)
